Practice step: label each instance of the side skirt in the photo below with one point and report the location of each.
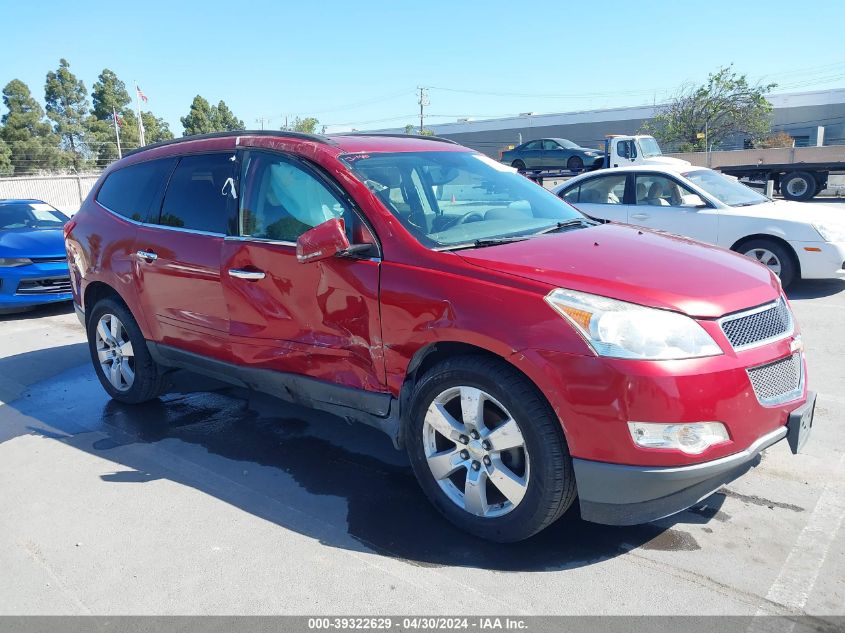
(380, 410)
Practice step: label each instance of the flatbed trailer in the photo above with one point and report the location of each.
(795, 181)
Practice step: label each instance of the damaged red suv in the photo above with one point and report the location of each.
(521, 354)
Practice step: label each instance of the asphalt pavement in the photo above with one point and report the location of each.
(217, 501)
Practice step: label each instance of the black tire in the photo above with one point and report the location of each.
(149, 381)
(518, 165)
(799, 185)
(551, 484)
(785, 257)
(575, 163)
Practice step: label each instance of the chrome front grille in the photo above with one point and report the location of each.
(758, 326)
(779, 381)
(52, 286)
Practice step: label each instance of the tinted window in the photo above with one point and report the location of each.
(533, 145)
(601, 190)
(281, 199)
(196, 198)
(547, 145)
(131, 191)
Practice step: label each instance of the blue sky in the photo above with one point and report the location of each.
(357, 64)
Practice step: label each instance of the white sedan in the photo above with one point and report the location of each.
(794, 239)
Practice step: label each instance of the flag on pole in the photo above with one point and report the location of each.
(118, 123)
(140, 96)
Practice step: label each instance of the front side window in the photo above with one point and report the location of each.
(282, 199)
(31, 215)
(599, 190)
(197, 196)
(723, 188)
(661, 191)
(451, 198)
(550, 145)
(133, 190)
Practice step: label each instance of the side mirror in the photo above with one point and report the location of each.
(322, 242)
(328, 240)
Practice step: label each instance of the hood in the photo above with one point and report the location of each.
(32, 243)
(639, 266)
(666, 160)
(803, 212)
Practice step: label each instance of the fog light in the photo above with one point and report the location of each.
(691, 438)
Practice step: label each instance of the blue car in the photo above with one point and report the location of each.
(33, 262)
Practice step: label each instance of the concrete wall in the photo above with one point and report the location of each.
(66, 193)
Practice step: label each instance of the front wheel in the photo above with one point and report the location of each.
(487, 449)
(575, 163)
(120, 356)
(774, 256)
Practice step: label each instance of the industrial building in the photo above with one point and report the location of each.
(811, 118)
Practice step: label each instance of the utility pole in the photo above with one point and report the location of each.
(423, 102)
(260, 120)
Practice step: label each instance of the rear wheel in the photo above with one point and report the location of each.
(799, 185)
(774, 256)
(518, 165)
(575, 163)
(120, 356)
(487, 449)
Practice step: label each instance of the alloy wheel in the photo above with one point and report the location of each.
(767, 258)
(114, 352)
(476, 451)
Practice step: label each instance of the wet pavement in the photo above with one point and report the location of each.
(217, 500)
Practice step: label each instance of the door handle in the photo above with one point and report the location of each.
(251, 275)
(149, 256)
(641, 216)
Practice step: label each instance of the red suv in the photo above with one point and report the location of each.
(522, 354)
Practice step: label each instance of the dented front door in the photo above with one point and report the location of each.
(318, 319)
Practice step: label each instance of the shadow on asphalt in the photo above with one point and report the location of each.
(36, 312)
(290, 465)
(815, 288)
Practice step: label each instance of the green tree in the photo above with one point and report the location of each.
(201, 119)
(155, 128)
(67, 107)
(33, 144)
(725, 106)
(109, 93)
(413, 129)
(308, 125)
(226, 121)
(6, 167)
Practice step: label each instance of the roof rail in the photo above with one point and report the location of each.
(234, 133)
(424, 137)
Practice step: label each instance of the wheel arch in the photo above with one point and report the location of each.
(772, 238)
(431, 354)
(96, 291)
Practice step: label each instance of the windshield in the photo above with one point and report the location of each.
(455, 198)
(567, 144)
(650, 147)
(30, 215)
(727, 190)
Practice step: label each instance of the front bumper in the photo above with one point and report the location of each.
(35, 284)
(820, 260)
(614, 494)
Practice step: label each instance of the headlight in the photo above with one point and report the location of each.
(627, 330)
(692, 438)
(831, 232)
(8, 262)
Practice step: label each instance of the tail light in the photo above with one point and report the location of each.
(68, 227)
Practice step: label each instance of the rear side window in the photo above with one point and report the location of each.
(198, 194)
(600, 190)
(131, 191)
